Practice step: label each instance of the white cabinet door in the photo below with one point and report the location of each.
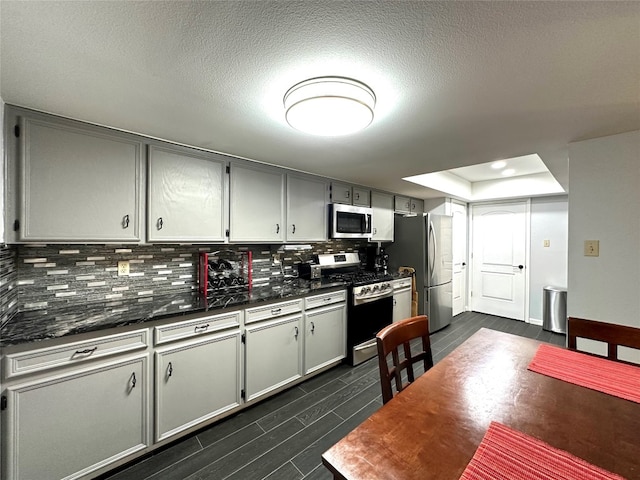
(78, 183)
(361, 197)
(325, 336)
(273, 355)
(341, 193)
(401, 304)
(70, 425)
(186, 196)
(257, 204)
(306, 209)
(382, 220)
(196, 381)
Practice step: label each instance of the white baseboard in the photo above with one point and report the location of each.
(535, 321)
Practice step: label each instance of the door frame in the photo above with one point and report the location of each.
(466, 297)
(527, 248)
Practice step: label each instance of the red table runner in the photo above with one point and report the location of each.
(601, 374)
(507, 454)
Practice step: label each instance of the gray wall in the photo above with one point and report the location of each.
(548, 265)
(603, 205)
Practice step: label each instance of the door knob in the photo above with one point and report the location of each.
(520, 267)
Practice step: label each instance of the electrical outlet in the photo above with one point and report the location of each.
(547, 243)
(276, 258)
(592, 248)
(123, 268)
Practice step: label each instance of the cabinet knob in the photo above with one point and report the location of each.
(160, 223)
(125, 221)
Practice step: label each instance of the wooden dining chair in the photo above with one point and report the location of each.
(390, 340)
(613, 335)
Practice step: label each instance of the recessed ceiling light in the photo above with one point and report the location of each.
(508, 172)
(498, 165)
(329, 106)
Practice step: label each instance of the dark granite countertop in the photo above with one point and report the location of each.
(36, 325)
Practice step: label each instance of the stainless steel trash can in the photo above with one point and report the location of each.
(554, 309)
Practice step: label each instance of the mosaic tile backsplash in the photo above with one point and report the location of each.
(8, 280)
(46, 276)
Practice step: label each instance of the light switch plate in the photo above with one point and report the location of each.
(592, 248)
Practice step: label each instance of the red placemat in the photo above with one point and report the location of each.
(615, 378)
(507, 454)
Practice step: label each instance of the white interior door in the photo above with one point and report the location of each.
(499, 249)
(459, 213)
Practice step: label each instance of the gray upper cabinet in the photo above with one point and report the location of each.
(341, 193)
(256, 203)
(307, 199)
(350, 195)
(186, 195)
(408, 205)
(382, 221)
(361, 197)
(77, 182)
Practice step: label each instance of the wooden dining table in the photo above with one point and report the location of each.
(432, 429)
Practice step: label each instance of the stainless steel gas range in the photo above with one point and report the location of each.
(369, 306)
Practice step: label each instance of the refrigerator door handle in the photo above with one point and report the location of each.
(432, 258)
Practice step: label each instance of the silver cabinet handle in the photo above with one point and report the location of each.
(275, 311)
(133, 380)
(87, 351)
(160, 223)
(294, 228)
(125, 221)
(170, 370)
(277, 228)
(313, 327)
(201, 328)
(297, 332)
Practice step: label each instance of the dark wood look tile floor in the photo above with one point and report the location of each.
(282, 438)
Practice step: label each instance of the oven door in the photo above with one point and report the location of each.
(364, 321)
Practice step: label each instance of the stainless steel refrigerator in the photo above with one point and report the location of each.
(425, 243)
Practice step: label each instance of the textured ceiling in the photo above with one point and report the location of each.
(457, 83)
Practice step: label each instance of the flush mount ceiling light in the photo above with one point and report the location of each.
(329, 106)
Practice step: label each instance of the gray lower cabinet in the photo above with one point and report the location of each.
(196, 381)
(307, 210)
(325, 336)
(273, 353)
(69, 425)
(186, 196)
(76, 182)
(401, 299)
(257, 202)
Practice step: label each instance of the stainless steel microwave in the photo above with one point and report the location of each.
(347, 221)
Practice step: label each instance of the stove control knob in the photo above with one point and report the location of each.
(376, 288)
(364, 290)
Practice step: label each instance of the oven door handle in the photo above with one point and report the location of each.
(359, 301)
(364, 346)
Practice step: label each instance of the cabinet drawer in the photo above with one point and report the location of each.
(325, 299)
(272, 310)
(193, 328)
(402, 283)
(73, 353)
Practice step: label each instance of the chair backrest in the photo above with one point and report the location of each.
(613, 335)
(390, 339)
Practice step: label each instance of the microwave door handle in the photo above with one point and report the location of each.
(368, 223)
